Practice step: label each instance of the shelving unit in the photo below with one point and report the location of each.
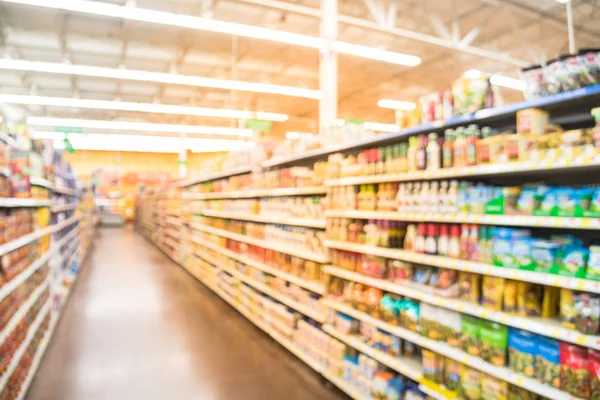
(214, 251)
(68, 239)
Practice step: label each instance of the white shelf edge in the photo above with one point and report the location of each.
(261, 287)
(470, 266)
(312, 286)
(280, 220)
(263, 326)
(63, 207)
(346, 387)
(15, 202)
(22, 311)
(41, 183)
(262, 243)
(409, 368)
(546, 327)
(37, 359)
(32, 330)
(459, 218)
(450, 173)
(444, 349)
(251, 193)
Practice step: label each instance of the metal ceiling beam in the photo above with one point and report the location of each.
(541, 15)
(400, 32)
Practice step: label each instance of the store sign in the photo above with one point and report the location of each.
(259, 125)
(68, 129)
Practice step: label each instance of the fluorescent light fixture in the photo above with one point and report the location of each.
(211, 25)
(137, 126)
(507, 82)
(374, 126)
(138, 107)
(297, 135)
(563, 1)
(397, 104)
(156, 77)
(141, 143)
(498, 80)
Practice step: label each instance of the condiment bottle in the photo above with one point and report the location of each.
(473, 243)
(380, 161)
(454, 242)
(411, 156)
(433, 199)
(433, 153)
(422, 204)
(384, 233)
(452, 198)
(421, 155)
(414, 197)
(442, 198)
(460, 144)
(448, 149)
(409, 239)
(483, 147)
(443, 241)
(431, 239)
(403, 158)
(389, 159)
(419, 246)
(464, 242)
(401, 197)
(471, 148)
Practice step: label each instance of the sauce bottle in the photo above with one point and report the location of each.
(422, 204)
(448, 149)
(409, 239)
(431, 239)
(464, 242)
(452, 198)
(483, 147)
(420, 238)
(473, 243)
(434, 195)
(389, 159)
(471, 147)
(411, 156)
(442, 201)
(454, 242)
(443, 240)
(380, 170)
(403, 158)
(433, 153)
(421, 155)
(460, 147)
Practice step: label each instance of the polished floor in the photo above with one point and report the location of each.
(139, 327)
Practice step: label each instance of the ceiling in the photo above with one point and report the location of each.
(497, 36)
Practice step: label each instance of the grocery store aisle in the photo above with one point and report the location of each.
(139, 327)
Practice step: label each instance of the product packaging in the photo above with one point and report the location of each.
(494, 341)
(547, 361)
(575, 374)
(522, 347)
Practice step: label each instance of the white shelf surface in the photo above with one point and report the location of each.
(282, 298)
(268, 219)
(542, 326)
(41, 183)
(267, 329)
(66, 191)
(470, 266)
(315, 287)
(37, 359)
(407, 367)
(465, 218)
(22, 311)
(320, 258)
(16, 359)
(63, 207)
(252, 193)
(446, 350)
(478, 170)
(10, 202)
(347, 387)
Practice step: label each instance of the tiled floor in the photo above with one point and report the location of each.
(139, 327)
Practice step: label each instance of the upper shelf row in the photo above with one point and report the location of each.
(562, 105)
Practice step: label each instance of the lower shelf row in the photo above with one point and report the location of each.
(363, 368)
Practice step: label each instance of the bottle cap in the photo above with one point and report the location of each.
(455, 231)
(444, 230)
(422, 229)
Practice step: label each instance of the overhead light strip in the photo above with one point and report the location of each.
(211, 25)
(139, 107)
(498, 80)
(136, 126)
(141, 143)
(157, 77)
(397, 104)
